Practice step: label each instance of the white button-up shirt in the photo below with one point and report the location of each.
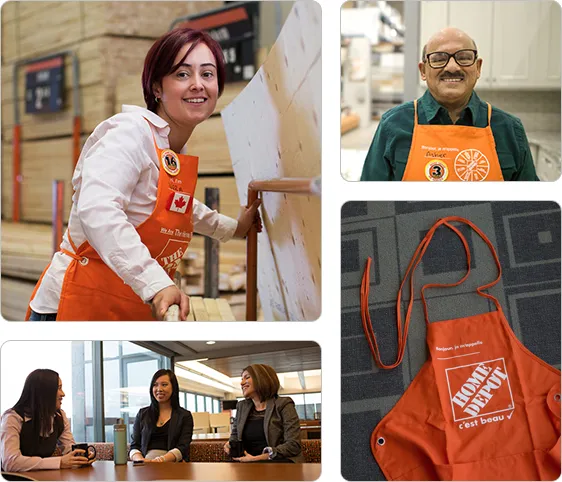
(115, 186)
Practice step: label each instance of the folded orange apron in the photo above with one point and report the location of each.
(92, 291)
(482, 407)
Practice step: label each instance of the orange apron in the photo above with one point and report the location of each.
(482, 407)
(91, 291)
(452, 153)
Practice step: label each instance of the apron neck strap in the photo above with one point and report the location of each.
(415, 113)
(402, 328)
(489, 114)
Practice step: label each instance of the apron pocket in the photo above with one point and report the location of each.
(536, 465)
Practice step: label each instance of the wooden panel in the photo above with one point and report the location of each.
(31, 8)
(95, 108)
(228, 202)
(225, 310)
(199, 309)
(41, 163)
(47, 29)
(141, 19)
(274, 130)
(7, 170)
(212, 309)
(10, 44)
(9, 11)
(208, 142)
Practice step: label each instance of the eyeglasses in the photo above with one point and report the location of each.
(464, 58)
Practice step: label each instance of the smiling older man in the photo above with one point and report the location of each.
(449, 134)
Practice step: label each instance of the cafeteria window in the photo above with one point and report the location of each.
(195, 402)
(308, 405)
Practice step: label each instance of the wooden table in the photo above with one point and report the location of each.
(108, 471)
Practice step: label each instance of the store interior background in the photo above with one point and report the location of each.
(519, 42)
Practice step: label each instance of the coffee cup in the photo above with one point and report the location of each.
(89, 450)
(236, 448)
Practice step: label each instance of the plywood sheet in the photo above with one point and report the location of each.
(274, 130)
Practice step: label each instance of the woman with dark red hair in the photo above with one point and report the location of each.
(133, 212)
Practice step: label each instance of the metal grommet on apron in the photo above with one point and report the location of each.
(467, 414)
(84, 261)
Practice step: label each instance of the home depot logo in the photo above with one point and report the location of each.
(170, 257)
(479, 389)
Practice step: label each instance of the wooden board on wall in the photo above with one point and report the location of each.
(274, 130)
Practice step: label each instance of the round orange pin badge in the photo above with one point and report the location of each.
(436, 170)
(170, 162)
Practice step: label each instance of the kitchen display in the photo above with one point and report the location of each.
(514, 50)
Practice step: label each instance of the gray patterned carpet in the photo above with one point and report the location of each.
(527, 238)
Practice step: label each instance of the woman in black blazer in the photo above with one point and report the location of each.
(162, 431)
(268, 425)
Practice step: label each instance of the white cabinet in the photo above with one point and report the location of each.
(473, 21)
(518, 41)
(549, 54)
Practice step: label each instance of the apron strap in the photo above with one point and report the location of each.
(489, 114)
(415, 113)
(402, 327)
(69, 253)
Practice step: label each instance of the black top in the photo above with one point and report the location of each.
(45, 446)
(180, 430)
(159, 437)
(254, 434)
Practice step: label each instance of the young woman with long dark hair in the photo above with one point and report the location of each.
(163, 430)
(36, 425)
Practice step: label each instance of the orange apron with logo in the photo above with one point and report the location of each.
(452, 153)
(482, 407)
(91, 291)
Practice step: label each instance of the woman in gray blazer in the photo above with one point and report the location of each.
(267, 424)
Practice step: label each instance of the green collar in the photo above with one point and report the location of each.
(431, 107)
